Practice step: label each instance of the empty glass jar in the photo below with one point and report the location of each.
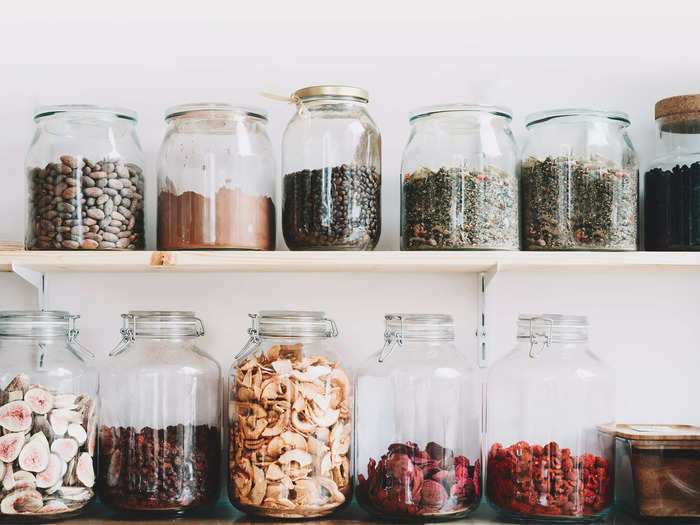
(417, 424)
(459, 183)
(547, 403)
(331, 164)
(48, 415)
(160, 430)
(85, 180)
(216, 179)
(672, 183)
(579, 182)
(290, 418)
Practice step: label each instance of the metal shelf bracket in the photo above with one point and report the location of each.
(38, 280)
(483, 279)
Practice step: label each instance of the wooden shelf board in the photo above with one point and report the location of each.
(377, 261)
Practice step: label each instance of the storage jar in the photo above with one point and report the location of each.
(331, 165)
(85, 180)
(417, 424)
(546, 402)
(160, 430)
(48, 415)
(216, 179)
(657, 471)
(459, 184)
(290, 418)
(672, 182)
(580, 182)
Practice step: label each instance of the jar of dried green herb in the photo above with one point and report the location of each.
(579, 182)
(459, 184)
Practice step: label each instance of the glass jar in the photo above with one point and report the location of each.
(580, 182)
(331, 161)
(459, 184)
(422, 456)
(160, 433)
(547, 404)
(290, 419)
(672, 183)
(48, 415)
(85, 180)
(216, 179)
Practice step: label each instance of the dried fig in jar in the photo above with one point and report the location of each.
(290, 426)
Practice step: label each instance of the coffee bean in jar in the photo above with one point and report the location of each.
(337, 207)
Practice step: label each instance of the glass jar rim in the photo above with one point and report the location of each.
(426, 111)
(420, 327)
(332, 90)
(36, 323)
(294, 323)
(182, 110)
(555, 327)
(162, 323)
(119, 112)
(543, 116)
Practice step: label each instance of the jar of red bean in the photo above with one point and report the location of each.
(548, 402)
(417, 424)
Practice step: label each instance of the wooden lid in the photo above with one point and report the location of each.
(659, 432)
(682, 107)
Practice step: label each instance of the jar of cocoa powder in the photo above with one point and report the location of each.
(417, 423)
(290, 418)
(549, 400)
(85, 180)
(216, 179)
(48, 417)
(160, 430)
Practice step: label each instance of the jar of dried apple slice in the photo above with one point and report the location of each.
(290, 418)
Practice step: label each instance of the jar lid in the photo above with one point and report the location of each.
(293, 323)
(544, 116)
(426, 111)
(658, 432)
(29, 323)
(553, 327)
(211, 108)
(47, 111)
(332, 91)
(420, 327)
(156, 323)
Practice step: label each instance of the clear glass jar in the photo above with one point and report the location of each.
(579, 182)
(548, 402)
(48, 415)
(290, 419)
(672, 182)
(459, 184)
(160, 439)
(418, 458)
(85, 180)
(331, 165)
(216, 179)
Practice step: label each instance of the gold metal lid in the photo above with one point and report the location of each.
(332, 91)
(682, 107)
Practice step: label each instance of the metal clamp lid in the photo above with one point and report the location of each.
(391, 339)
(128, 331)
(535, 351)
(72, 338)
(253, 339)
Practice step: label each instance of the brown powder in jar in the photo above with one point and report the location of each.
(234, 220)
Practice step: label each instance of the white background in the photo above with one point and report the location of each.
(526, 55)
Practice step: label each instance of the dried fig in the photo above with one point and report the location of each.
(10, 446)
(16, 416)
(114, 469)
(19, 384)
(8, 479)
(21, 500)
(77, 432)
(53, 506)
(39, 400)
(76, 493)
(66, 448)
(51, 474)
(34, 456)
(85, 470)
(64, 401)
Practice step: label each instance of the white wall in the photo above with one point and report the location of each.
(526, 55)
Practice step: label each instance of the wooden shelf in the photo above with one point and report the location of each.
(377, 261)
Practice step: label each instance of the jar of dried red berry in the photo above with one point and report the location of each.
(290, 419)
(160, 439)
(547, 402)
(417, 424)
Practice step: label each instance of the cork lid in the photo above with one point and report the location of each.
(682, 107)
(659, 432)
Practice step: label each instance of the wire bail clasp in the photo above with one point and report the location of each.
(292, 99)
(537, 346)
(128, 333)
(73, 343)
(253, 340)
(391, 339)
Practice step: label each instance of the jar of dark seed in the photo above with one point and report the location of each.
(672, 182)
(579, 182)
(159, 439)
(459, 183)
(331, 164)
(85, 180)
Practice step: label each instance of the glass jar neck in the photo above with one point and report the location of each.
(680, 137)
(457, 120)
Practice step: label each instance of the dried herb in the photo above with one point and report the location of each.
(458, 208)
(577, 204)
(672, 208)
